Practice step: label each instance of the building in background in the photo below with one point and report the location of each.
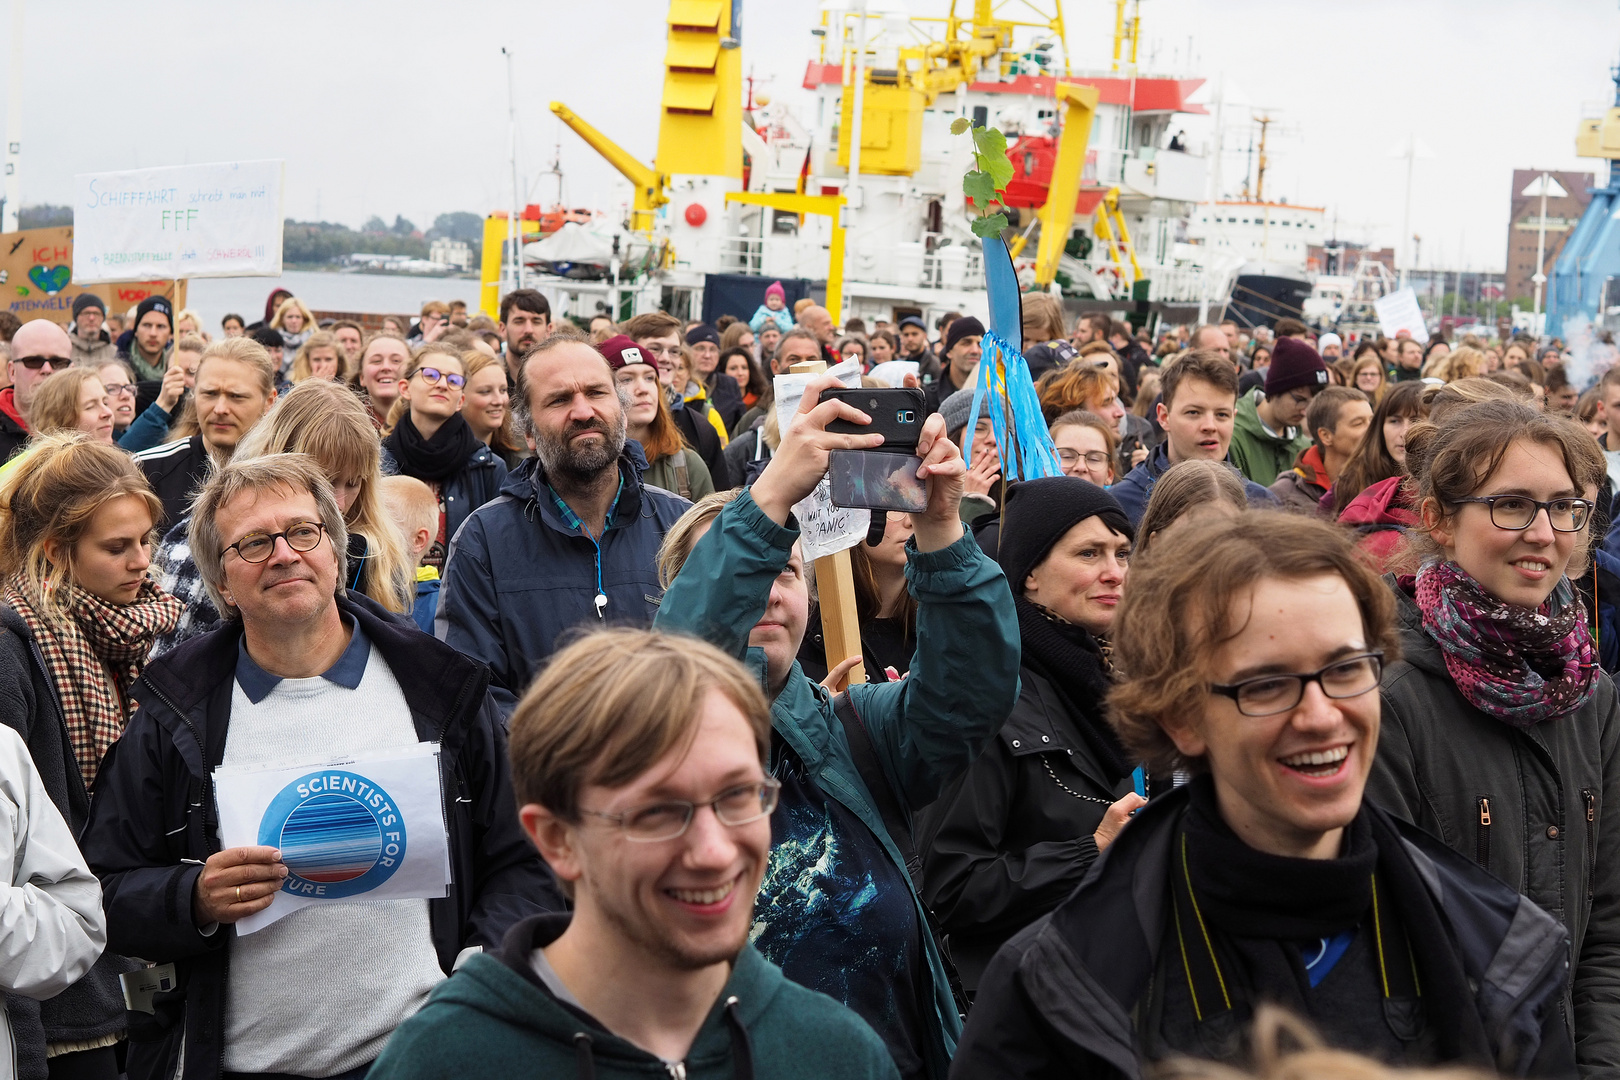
(456, 253)
(1524, 220)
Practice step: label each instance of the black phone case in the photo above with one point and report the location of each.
(897, 413)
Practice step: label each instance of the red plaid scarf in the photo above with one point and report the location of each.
(99, 640)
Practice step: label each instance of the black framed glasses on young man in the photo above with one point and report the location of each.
(666, 820)
(256, 547)
(1515, 513)
(1267, 695)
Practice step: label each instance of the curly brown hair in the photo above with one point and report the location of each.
(1178, 612)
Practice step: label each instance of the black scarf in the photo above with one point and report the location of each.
(1068, 657)
(433, 459)
(1257, 901)
(1251, 894)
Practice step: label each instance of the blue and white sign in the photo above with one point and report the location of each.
(185, 221)
(367, 829)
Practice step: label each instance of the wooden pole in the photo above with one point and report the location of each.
(835, 589)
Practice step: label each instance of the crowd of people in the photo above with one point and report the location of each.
(1282, 715)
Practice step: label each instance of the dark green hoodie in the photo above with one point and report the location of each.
(495, 1018)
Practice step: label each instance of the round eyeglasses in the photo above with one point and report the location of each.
(1516, 513)
(740, 805)
(1267, 695)
(433, 375)
(1097, 459)
(256, 547)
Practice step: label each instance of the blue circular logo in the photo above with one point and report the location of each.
(339, 834)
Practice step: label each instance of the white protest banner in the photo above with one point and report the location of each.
(1399, 311)
(364, 829)
(184, 221)
(823, 528)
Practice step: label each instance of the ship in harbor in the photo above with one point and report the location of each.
(859, 199)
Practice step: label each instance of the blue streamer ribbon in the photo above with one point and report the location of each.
(1005, 382)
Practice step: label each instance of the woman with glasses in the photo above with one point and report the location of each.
(119, 382)
(430, 440)
(1086, 446)
(80, 613)
(1501, 733)
(1055, 786)
(1250, 651)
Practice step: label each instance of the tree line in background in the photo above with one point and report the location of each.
(316, 243)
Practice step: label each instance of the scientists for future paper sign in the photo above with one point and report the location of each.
(184, 221)
(366, 829)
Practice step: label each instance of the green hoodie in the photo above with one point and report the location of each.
(494, 1018)
(1258, 454)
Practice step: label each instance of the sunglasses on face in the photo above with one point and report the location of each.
(35, 363)
(433, 375)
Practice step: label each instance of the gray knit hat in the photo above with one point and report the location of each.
(955, 409)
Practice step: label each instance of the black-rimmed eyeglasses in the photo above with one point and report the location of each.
(1516, 513)
(1267, 695)
(739, 805)
(256, 547)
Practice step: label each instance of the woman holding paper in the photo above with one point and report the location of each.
(81, 611)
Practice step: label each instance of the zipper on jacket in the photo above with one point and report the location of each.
(677, 1069)
(1482, 844)
(1589, 796)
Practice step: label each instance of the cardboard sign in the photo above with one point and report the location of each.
(365, 829)
(187, 221)
(36, 271)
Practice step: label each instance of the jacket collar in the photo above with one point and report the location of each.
(527, 484)
(440, 684)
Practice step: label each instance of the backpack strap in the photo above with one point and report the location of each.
(683, 486)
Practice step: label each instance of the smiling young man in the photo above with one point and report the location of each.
(573, 538)
(639, 763)
(1197, 409)
(1268, 878)
(302, 673)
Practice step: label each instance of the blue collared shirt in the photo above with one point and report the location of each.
(350, 668)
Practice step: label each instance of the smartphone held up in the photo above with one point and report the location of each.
(884, 478)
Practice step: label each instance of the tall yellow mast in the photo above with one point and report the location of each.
(700, 112)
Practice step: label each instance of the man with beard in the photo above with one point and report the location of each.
(525, 322)
(574, 537)
(639, 761)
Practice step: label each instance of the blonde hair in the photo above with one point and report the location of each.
(326, 422)
(303, 369)
(504, 440)
(1312, 1060)
(243, 350)
(188, 313)
(56, 400)
(51, 494)
(685, 533)
(190, 343)
(289, 304)
(1043, 311)
(1463, 362)
(614, 704)
(412, 505)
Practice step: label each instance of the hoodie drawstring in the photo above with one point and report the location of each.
(583, 1056)
(742, 1049)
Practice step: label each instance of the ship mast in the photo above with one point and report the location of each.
(1260, 172)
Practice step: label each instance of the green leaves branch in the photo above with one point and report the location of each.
(993, 173)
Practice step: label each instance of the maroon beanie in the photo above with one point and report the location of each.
(620, 352)
(1294, 364)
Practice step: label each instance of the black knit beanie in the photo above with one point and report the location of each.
(1040, 511)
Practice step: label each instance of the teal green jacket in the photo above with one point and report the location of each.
(927, 728)
(494, 1018)
(1257, 453)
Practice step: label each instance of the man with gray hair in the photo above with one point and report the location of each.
(574, 537)
(303, 674)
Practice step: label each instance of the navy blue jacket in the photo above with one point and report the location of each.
(1133, 491)
(519, 575)
(478, 482)
(153, 824)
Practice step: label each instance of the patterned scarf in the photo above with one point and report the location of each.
(97, 641)
(1518, 665)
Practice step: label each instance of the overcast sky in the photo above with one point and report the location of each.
(401, 107)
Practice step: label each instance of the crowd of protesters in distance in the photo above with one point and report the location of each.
(1273, 737)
